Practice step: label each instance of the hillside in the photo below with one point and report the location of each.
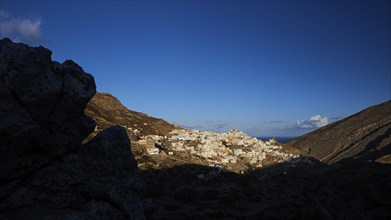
(107, 111)
(361, 137)
(170, 145)
(193, 174)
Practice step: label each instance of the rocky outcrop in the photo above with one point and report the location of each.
(45, 172)
(365, 136)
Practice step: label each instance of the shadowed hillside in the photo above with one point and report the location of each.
(302, 188)
(362, 136)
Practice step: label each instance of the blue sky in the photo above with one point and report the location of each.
(269, 68)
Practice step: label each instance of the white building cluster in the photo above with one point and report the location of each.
(222, 148)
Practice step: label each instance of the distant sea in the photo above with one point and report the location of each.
(280, 139)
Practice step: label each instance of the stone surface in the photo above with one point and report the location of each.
(45, 172)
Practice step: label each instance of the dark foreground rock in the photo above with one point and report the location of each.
(45, 172)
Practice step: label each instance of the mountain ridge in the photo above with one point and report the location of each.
(357, 137)
(107, 110)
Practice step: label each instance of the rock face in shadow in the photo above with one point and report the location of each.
(45, 172)
(360, 137)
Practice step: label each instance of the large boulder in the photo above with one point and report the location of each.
(45, 172)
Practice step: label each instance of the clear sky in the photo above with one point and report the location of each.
(269, 68)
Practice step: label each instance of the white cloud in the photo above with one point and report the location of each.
(19, 29)
(313, 122)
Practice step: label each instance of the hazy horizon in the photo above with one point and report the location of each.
(270, 69)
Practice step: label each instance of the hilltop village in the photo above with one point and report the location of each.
(54, 164)
(233, 150)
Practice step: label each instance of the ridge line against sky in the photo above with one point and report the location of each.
(267, 68)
